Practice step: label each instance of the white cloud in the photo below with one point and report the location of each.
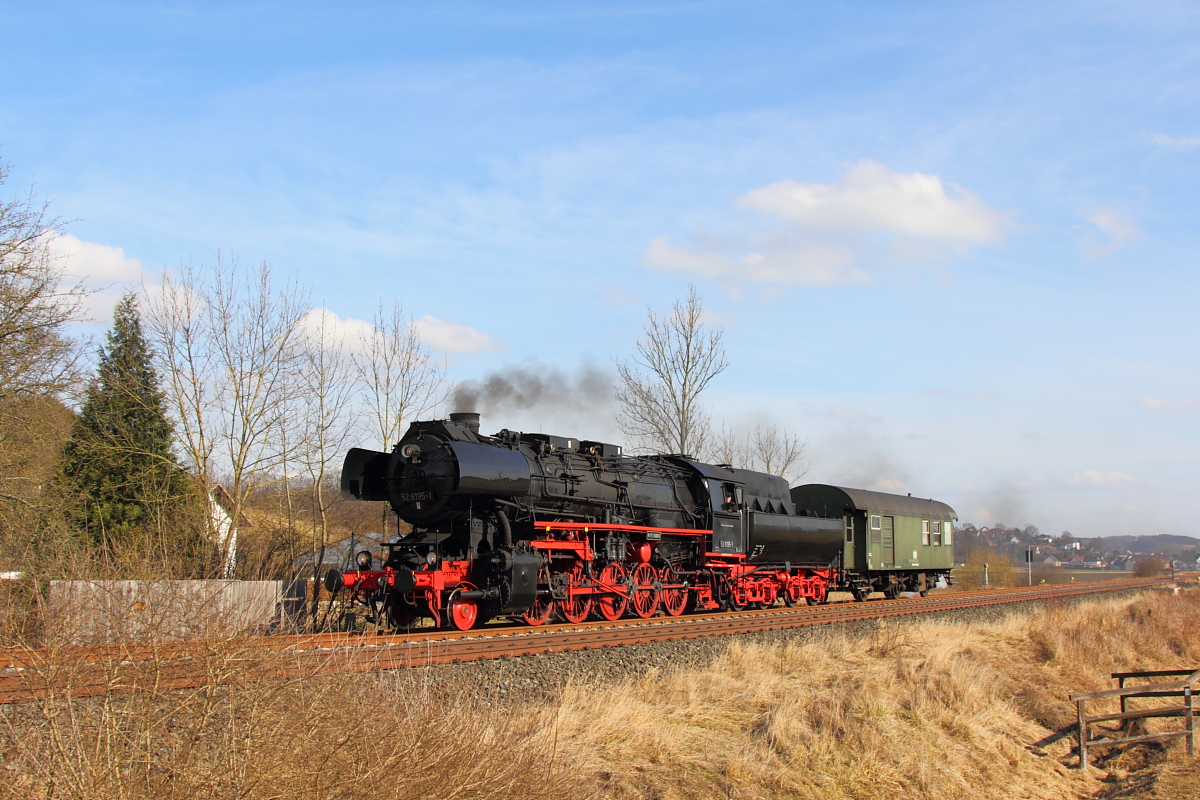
(834, 226)
(870, 198)
(1185, 143)
(1108, 230)
(104, 269)
(453, 337)
(1095, 477)
(351, 331)
(436, 333)
(811, 263)
(1154, 404)
(97, 264)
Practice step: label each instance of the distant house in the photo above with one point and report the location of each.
(225, 532)
(1051, 561)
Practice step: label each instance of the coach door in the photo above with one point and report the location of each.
(888, 541)
(848, 560)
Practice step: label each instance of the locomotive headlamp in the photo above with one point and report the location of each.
(363, 561)
(431, 558)
(410, 450)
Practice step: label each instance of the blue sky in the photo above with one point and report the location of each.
(953, 245)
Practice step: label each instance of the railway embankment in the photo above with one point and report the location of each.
(967, 704)
(538, 678)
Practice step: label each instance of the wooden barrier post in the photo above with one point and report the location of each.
(1191, 731)
(1083, 735)
(1182, 689)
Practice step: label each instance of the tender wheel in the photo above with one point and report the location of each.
(731, 601)
(463, 614)
(613, 606)
(645, 595)
(674, 600)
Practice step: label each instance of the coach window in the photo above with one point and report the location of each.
(937, 534)
(875, 529)
(949, 528)
(925, 531)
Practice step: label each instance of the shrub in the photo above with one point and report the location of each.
(1148, 566)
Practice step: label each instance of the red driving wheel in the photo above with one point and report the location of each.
(575, 609)
(645, 594)
(674, 600)
(612, 605)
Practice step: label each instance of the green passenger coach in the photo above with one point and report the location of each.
(893, 543)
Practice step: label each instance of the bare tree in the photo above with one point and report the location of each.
(767, 448)
(328, 390)
(730, 447)
(37, 358)
(230, 346)
(38, 367)
(678, 356)
(178, 323)
(401, 378)
(778, 452)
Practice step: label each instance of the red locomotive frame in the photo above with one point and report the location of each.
(577, 584)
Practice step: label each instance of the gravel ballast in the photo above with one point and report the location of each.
(540, 677)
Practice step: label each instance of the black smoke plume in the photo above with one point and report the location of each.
(536, 386)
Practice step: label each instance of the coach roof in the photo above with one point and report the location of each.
(832, 501)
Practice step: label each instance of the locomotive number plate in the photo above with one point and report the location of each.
(415, 497)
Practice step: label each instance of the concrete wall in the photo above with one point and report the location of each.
(92, 612)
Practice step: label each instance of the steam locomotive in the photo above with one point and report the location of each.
(532, 527)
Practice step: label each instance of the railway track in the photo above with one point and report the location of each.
(81, 671)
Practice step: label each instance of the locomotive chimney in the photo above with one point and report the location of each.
(468, 419)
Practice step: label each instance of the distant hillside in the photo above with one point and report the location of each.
(1162, 542)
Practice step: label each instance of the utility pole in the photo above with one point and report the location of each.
(1029, 562)
(986, 585)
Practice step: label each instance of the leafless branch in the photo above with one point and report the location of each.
(401, 378)
(678, 357)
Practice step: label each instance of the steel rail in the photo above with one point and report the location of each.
(29, 673)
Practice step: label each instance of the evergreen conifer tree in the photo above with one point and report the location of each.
(119, 456)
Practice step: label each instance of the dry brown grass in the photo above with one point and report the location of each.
(927, 709)
(396, 735)
(914, 711)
